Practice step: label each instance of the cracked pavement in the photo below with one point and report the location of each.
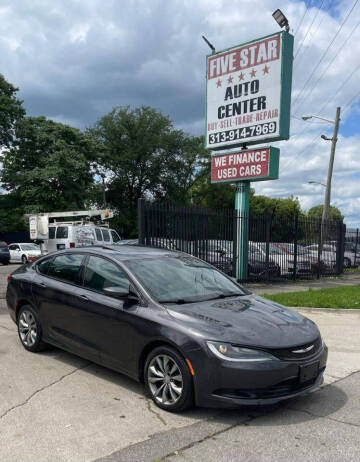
(56, 407)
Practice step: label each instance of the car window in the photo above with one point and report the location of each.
(52, 232)
(62, 232)
(106, 235)
(14, 247)
(43, 266)
(115, 236)
(98, 234)
(101, 274)
(30, 247)
(66, 267)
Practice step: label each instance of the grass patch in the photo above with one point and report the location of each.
(338, 297)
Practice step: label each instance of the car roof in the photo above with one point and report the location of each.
(123, 252)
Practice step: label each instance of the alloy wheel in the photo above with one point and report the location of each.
(165, 379)
(27, 328)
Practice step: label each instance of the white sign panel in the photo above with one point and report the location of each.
(245, 97)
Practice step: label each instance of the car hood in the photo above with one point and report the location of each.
(246, 320)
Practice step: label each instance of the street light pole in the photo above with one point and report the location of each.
(325, 213)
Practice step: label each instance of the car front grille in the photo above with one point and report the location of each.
(295, 353)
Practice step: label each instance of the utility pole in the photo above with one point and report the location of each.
(325, 213)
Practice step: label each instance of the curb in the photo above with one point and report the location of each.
(325, 310)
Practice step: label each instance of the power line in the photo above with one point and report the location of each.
(330, 63)
(301, 20)
(308, 30)
(325, 52)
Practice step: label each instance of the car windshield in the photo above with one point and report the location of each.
(182, 279)
(30, 247)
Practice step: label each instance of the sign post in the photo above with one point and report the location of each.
(248, 97)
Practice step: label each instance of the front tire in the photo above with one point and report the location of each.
(29, 329)
(168, 380)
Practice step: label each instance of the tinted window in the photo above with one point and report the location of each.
(98, 234)
(43, 266)
(115, 236)
(62, 232)
(106, 235)
(101, 274)
(66, 267)
(52, 232)
(14, 247)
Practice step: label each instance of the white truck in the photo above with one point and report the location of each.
(63, 230)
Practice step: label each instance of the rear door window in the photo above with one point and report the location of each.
(62, 232)
(66, 267)
(43, 266)
(106, 235)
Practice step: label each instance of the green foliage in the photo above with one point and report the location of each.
(338, 297)
(11, 214)
(316, 212)
(143, 157)
(11, 112)
(284, 208)
(48, 166)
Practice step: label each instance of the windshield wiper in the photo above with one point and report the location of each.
(179, 301)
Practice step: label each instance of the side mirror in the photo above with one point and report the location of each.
(121, 293)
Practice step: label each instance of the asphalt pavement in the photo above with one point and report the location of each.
(57, 407)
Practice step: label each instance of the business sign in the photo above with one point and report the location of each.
(248, 92)
(251, 165)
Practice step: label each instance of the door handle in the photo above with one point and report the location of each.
(84, 297)
(41, 284)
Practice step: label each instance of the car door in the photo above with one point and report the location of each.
(114, 327)
(15, 254)
(63, 313)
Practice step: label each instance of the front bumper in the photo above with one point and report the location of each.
(229, 384)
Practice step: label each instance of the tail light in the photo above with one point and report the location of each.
(9, 277)
(72, 245)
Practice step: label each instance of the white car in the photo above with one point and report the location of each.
(24, 252)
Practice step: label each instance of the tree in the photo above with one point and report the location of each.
(316, 212)
(48, 166)
(144, 157)
(11, 214)
(11, 112)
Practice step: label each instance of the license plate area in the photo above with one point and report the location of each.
(308, 372)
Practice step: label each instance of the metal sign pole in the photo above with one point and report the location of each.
(242, 199)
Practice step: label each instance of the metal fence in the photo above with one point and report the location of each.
(296, 247)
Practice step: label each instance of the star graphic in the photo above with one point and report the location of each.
(230, 79)
(218, 83)
(241, 76)
(253, 73)
(266, 69)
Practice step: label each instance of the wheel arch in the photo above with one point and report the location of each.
(20, 303)
(151, 346)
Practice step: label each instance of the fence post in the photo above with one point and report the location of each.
(296, 224)
(356, 244)
(340, 248)
(234, 231)
(267, 237)
(141, 221)
(320, 236)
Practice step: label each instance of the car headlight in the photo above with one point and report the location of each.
(233, 353)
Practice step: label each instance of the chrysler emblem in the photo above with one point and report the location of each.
(303, 350)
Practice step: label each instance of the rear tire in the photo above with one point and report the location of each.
(29, 329)
(168, 380)
(24, 260)
(347, 262)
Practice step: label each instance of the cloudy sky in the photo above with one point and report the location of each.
(74, 60)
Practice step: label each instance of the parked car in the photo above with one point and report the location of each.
(327, 256)
(305, 263)
(65, 236)
(170, 320)
(24, 252)
(4, 253)
(351, 259)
